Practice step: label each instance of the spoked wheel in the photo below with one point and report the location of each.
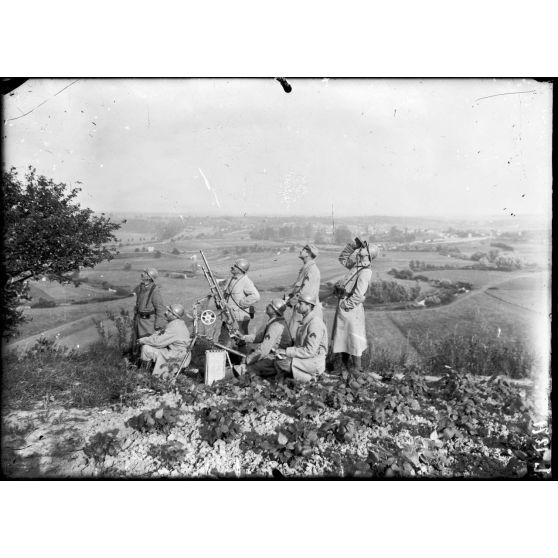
(208, 317)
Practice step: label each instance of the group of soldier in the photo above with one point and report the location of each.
(293, 342)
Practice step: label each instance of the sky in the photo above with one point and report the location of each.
(408, 147)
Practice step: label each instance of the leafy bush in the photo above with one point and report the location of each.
(88, 378)
(480, 355)
(44, 303)
(401, 273)
(391, 291)
(127, 266)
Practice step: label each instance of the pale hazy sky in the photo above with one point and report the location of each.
(445, 147)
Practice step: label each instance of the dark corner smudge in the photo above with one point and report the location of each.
(285, 84)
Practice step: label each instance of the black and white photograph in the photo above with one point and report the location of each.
(277, 278)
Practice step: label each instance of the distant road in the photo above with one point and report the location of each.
(452, 240)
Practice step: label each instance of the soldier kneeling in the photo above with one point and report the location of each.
(306, 359)
(171, 343)
(272, 336)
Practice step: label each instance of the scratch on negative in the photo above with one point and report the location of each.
(511, 93)
(40, 104)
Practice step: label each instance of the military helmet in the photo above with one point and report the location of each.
(242, 264)
(308, 299)
(152, 272)
(176, 309)
(313, 249)
(279, 305)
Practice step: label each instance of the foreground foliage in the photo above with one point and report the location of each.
(400, 425)
(395, 420)
(46, 233)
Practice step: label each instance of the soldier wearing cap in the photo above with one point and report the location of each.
(171, 343)
(349, 339)
(149, 310)
(307, 284)
(240, 295)
(271, 336)
(306, 359)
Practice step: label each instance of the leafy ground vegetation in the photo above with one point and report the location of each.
(89, 414)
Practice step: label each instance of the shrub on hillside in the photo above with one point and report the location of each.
(127, 267)
(480, 355)
(43, 303)
(401, 273)
(382, 292)
(90, 378)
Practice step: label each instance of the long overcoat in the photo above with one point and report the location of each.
(149, 310)
(350, 327)
(306, 284)
(309, 351)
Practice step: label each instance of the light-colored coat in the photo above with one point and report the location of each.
(169, 344)
(240, 293)
(310, 348)
(350, 329)
(155, 307)
(273, 335)
(308, 284)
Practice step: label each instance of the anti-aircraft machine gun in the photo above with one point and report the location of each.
(208, 317)
(219, 298)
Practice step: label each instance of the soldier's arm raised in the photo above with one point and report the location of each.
(345, 255)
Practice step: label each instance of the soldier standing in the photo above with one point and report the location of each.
(149, 311)
(307, 284)
(349, 339)
(240, 295)
(306, 359)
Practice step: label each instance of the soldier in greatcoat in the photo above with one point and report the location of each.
(307, 284)
(306, 359)
(273, 335)
(240, 294)
(149, 310)
(349, 339)
(170, 343)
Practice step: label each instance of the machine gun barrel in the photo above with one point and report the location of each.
(217, 293)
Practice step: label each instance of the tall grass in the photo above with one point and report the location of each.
(479, 355)
(50, 375)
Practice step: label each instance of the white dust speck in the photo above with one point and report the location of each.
(293, 189)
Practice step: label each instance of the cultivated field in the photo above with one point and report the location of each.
(503, 304)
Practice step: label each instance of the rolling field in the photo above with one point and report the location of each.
(51, 290)
(475, 315)
(510, 309)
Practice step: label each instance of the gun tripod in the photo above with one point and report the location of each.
(208, 317)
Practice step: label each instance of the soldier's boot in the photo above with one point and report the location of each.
(357, 364)
(346, 361)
